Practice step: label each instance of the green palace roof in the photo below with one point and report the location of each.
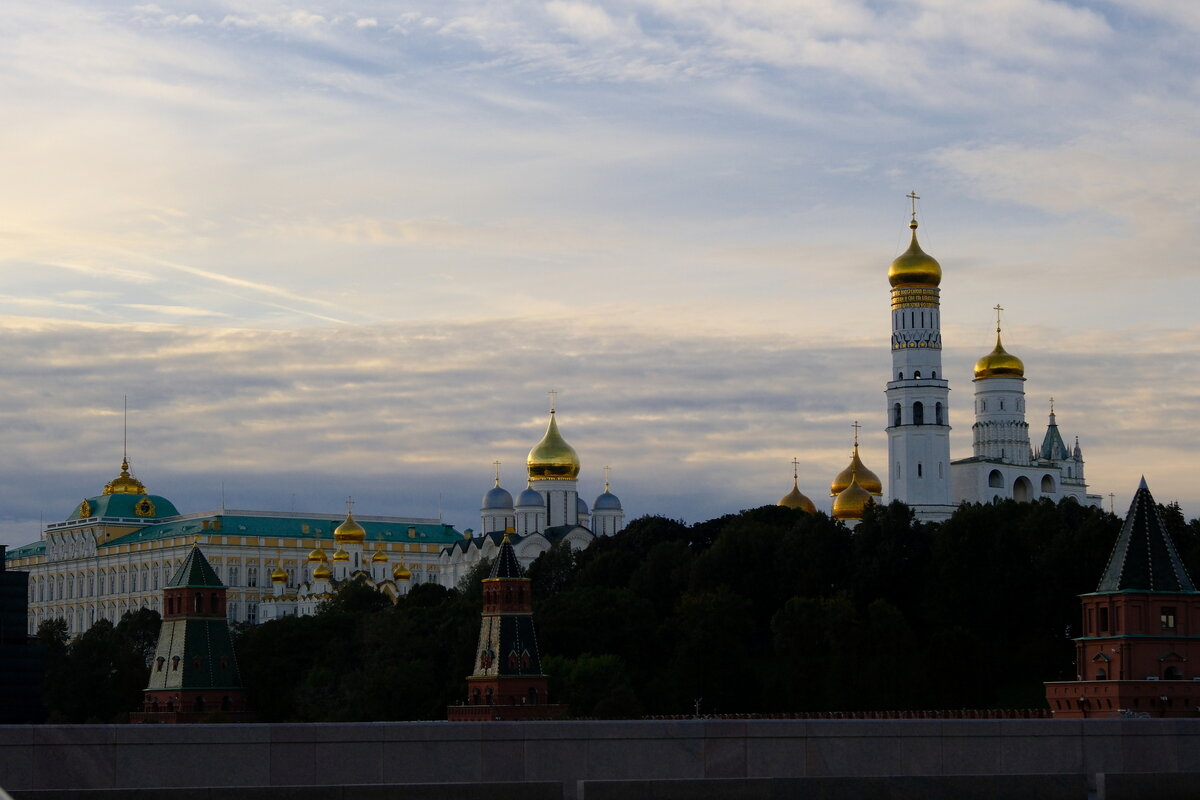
(125, 506)
(288, 526)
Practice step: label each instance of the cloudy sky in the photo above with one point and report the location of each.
(334, 249)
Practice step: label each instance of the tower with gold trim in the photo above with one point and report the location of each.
(918, 394)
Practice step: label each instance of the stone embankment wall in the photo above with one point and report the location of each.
(124, 757)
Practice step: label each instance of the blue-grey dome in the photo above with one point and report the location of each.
(607, 502)
(530, 497)
(498, 499)
(581, 506)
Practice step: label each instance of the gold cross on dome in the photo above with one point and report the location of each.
(998, 308)
(553, 399)
(795, 469)
(607, 471)
(349, 505)
(496, 464)
(856, 426)
(914, 197)
(1111, 503)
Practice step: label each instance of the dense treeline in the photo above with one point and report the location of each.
(769, 610)
(98, 676)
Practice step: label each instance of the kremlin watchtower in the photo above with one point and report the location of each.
(508, 683)
(1141, 629)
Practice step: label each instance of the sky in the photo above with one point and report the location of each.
(333, 249)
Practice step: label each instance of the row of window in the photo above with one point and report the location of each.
(916, 375)
(910, 319)
(1166, 620)
(918, 414)
(983, 406)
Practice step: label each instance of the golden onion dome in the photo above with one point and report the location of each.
(350, 531)
(867, 479)
(851, 502)
(341, 555)
(124, 483)
(999, 363)
(317, 556)
(796, 499)
(322, 573)
(279, 576)
(380, 557)
(552, 458)
(401, 573)
(915, 267)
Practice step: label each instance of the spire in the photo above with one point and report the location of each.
(195, 571)
(1053, 446)
(506, 564)
(1144, 557)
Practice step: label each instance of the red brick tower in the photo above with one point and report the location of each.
(508, 683)
(1140, 649)
(194, 674)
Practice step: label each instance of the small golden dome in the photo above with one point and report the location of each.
(380, 557)
(552, 458)
(796, 499)
(341, 555)
(317, 556)
(915, 267)
(867, 479)
(124, 483)
(999, 363)
(349, 532)
(279, 576)
(401, 573)
(849, 504)
(322, 573)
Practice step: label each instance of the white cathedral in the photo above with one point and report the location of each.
(1003, 465)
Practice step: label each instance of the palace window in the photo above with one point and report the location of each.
(937, 414)
(918, 414)
(896, 418)
(917, 375)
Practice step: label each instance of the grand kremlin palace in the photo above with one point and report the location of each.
(116, 551)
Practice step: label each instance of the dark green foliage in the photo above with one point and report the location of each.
(770, 610)
(100, 675)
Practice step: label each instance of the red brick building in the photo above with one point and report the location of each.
(1140, 648)
(508, 683)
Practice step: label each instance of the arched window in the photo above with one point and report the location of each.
(934, 375)
(901, 376)
(1047, 484)
(995, 479)
(1172, 674)
(1101, 674)
(1022, 490)
(199, 603)
(937, 415)
(918, 414)
(917, 375)
(896, 418)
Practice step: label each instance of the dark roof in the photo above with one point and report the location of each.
(506, 564)
(1053, 446)
(195, 571)
(1144, 557)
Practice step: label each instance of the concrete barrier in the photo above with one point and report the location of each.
(442, 791)
(944, 787)
(50, 757)
(1157, 785)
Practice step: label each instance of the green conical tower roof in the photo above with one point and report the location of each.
(1144, 557)
(195, 572)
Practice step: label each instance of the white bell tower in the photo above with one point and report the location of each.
(918, 394)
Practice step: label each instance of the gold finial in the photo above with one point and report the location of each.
(856, 426)
(553, 399)
(1112, 503)
(914, 197)
(607, 471)
(1052, 405)
(496, 464)
(795, 469)
(505, 539)
(998, 308)
(349, 506)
